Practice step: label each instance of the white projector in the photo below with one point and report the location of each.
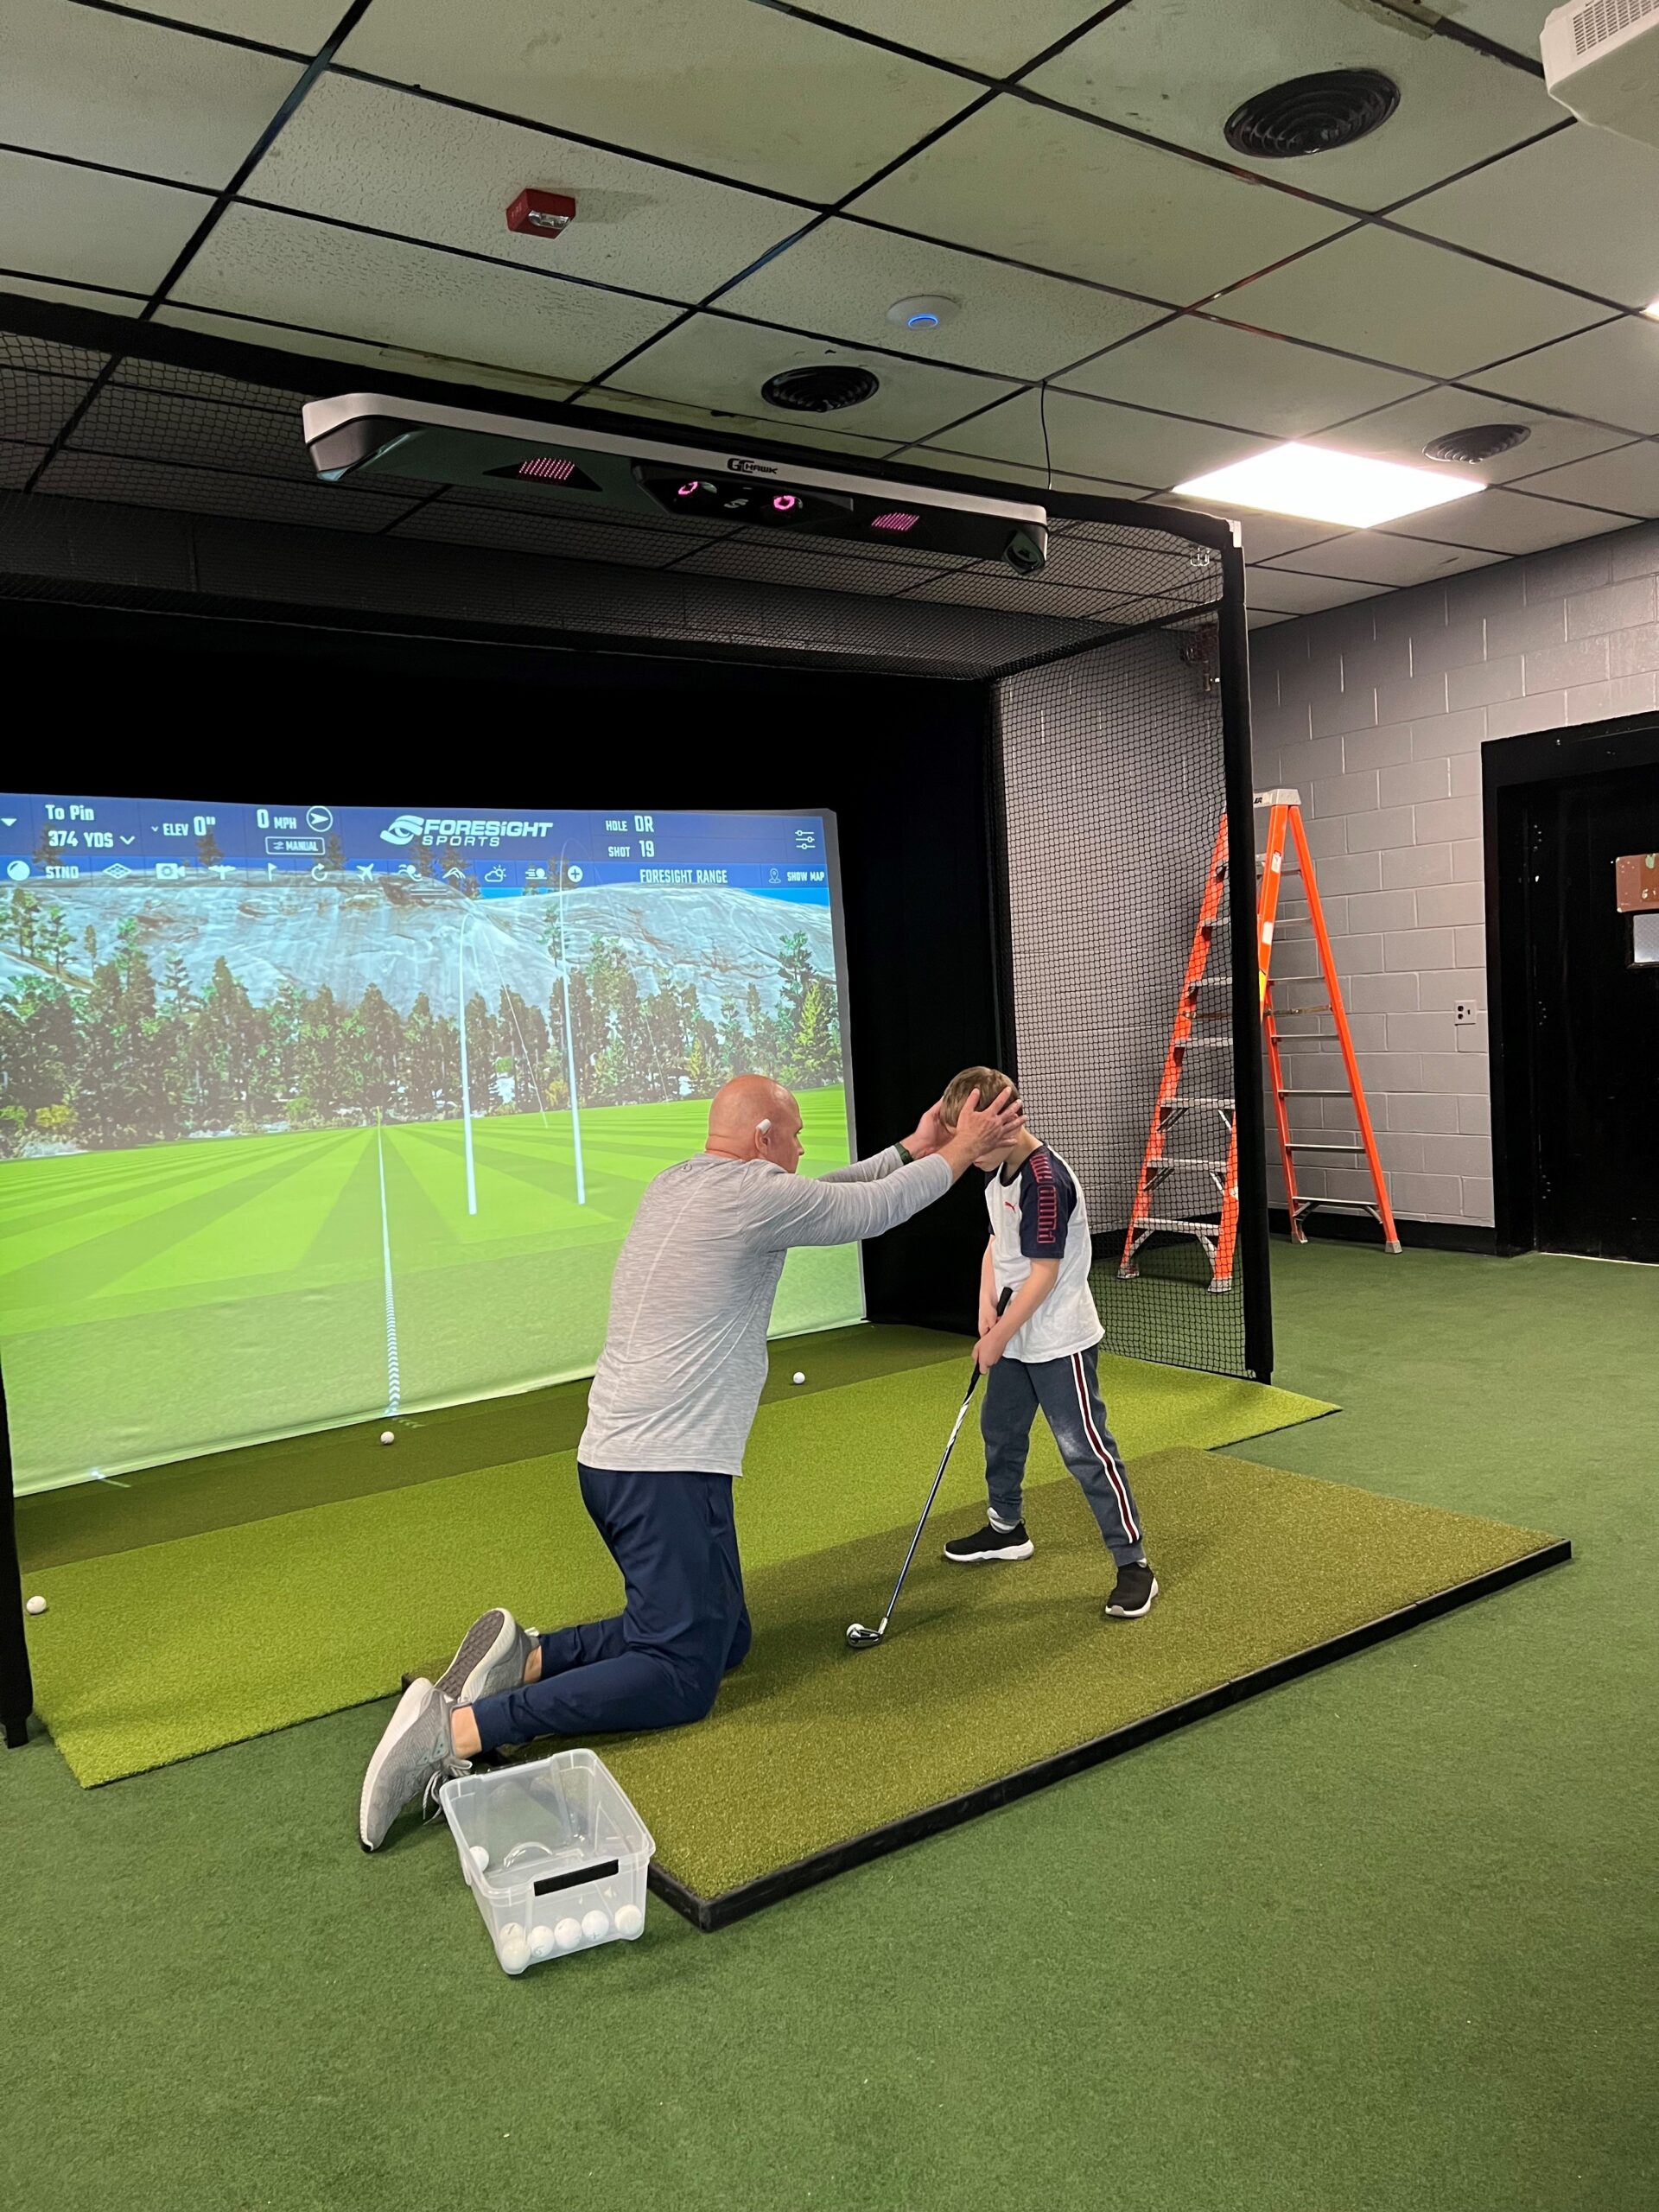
(1601, 61)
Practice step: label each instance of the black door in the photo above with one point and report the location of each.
(1594, 1043)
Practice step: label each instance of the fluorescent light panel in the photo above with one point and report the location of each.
(1351, 489)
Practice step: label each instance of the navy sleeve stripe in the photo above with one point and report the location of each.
(1046, 1206)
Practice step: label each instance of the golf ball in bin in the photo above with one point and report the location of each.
(567, 1934)
(386, 1436)
(512, 1949)
(541, 1942)
(481, 1858)
(798, 1376)
(629, 1920)
(595, 1925)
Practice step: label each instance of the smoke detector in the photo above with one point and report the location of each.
(926, 313)
(1483, 442)
(1313, 115)
(824, 389)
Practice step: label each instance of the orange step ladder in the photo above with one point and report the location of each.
(1187, 1118)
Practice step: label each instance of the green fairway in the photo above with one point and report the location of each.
(180, 1298)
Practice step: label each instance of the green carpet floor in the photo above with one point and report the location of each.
(242, 1629)
(1382, 1940)
(991, 1668)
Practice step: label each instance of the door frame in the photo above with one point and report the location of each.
(1510, 768)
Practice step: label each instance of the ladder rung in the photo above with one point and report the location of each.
(1211, 979)
(1306, 1144)
(1221, 1105)
(1343, 1093)
(1180, 1227)
(1186, 1159)
(1350, 1205)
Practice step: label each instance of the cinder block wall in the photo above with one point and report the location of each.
(1377, 712)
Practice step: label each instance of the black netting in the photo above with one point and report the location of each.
(1114, 782)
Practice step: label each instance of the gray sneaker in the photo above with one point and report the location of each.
(493, 1656)
(411, 1759)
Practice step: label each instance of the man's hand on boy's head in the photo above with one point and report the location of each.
(983, 1126)
(929, 1135)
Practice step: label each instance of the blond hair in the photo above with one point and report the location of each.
(990, 1083)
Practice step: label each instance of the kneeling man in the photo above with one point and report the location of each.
(672, 1402)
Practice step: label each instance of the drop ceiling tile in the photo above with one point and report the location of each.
(741, 90)
(1403, 300)
(983, 35)
(1399, 433)
(368, 154)
(1508, 522)
(1286, 591)
(842, 278)
(1016, 476)
(365, 353)
(67, 225)
(300, 25)
(567, 537)
(1627, 479)
(151, 425)
(18, 463)
(1566, 207)
(74, 296)
(1371, 556)
(1612, 373)
(1177, 70)
(1198, 367)
(206, 491)
(1518, 24)
(34, 409)
(1059, 192)
(1091, 437)
(136, 95)
(295, 272)
(1257, 620)
(710, 362)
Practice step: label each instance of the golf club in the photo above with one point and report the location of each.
(860, 1638)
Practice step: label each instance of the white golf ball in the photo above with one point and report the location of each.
(479, 1857)
(511, 1948)
(595, 1925)
(798, 1376)
(387, 1437)
(629, 1920)
(36, 1605)
(541, 1942)
(567, 1934)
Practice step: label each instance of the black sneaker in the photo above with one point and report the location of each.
(990, 1543)
(1132, 1594)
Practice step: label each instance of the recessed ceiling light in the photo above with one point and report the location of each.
(1351, 489)
(1652, 309)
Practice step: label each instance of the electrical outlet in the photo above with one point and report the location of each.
(1463, 1013)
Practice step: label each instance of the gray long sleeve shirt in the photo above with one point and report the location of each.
(685, 1353)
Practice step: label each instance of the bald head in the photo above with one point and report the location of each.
(752, 1118)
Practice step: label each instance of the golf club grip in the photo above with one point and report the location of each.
(1001, 1308)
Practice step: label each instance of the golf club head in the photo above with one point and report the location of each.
(861, 1638)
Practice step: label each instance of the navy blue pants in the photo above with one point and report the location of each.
(659, 1661)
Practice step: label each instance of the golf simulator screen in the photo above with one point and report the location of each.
(314, 1114)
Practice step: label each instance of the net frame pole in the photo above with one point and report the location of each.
(16, 1681)
(1249, 1130)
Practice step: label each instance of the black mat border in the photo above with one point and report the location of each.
(709, 1914)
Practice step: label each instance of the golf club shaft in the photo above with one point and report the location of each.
(950, 1445)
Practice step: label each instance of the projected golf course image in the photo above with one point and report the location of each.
(278, 1154)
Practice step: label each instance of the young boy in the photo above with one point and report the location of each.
(1043, 1352)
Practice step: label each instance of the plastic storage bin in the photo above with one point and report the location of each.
(564, 1856)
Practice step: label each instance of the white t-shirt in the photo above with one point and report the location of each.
(1039, 1214)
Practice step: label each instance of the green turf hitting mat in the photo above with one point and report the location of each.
(990, 1670)
(154, 1652)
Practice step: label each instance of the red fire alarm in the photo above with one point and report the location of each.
(543, 214)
